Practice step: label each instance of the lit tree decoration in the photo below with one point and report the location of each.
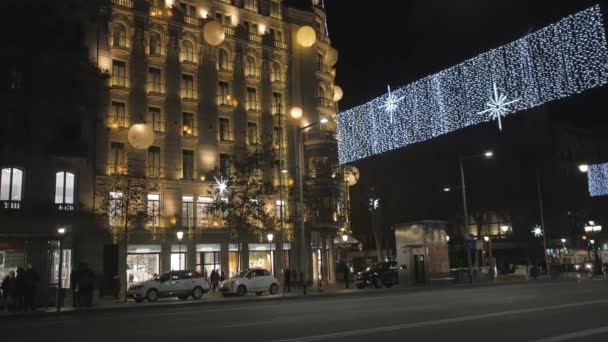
(222, 185)
(598, 180)
(499, 106)
(552, 63)
(391, 103)
(537, 231)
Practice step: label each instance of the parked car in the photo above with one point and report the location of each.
(255, 280)
(180, 284)
(381, 274)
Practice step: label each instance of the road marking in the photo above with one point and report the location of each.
(577, 334)
(437, 322)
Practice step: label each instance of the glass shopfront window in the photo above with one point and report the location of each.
(234, 262)
(66, 269)
(208, 258)
(178, 257)
(143, 262)
(261, 255)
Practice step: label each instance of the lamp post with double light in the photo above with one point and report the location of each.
(296, 113)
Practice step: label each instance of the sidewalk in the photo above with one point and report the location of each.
(106, 304)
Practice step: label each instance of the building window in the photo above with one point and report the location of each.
(115, 209)
(252, 99)
(187, 211)
(117, 115)
(203, 218)
(156, 119)
(252, 133)
(119, 73)
(154, 43)
(206, 262)
(178, 257)
(276, 72)
(64, 190)
(154, 162)
(187, 86)
(225, 131)
(117, 158)
(224, 164)
(223, 94)
(154, 210)
(227, 20)
(119, 36)
(222, 60)
(276, 103)
(188, 164)
(11, 187)
(154, 82)
(188, 51)
(275, 9)
(251, 5)
(320, 64)
(187, 124)
(250, 66)
(275, 136)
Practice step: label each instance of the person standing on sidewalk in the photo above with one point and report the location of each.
(31, 280)
(9, 291)
(20, 298)
(346, 273)
(294, 279)
(287, 276)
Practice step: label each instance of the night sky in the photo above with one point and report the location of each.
(397, 42)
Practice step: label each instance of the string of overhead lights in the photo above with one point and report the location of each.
(558, 61)
(598, 180)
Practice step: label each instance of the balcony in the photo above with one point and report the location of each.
(229, 31)
(189, 95)
(160, 13)
(280, 45)
(123, 3)
(255, 38)
(117, 169)
(155, 89)
(320, 135)
(10, 205)
(64, 206)
(192, 20)
(155, 172)
(326, 103)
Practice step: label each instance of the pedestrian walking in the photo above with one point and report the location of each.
(86, 282)
(214, 279)
(20, 298)
(9, 291)
(30, 280)
(294, 280)
(75, 286)
(287, 277)
(346, 274)
(223, 277)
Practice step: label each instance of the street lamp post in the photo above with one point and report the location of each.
(281, 203)
(461, 159)
(300, 163)
(270, 237)
(59, 297)
(180, 236)
(488, 239)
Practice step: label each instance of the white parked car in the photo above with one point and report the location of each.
(181, 284)
(255, 280)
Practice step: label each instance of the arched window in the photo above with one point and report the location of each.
(119, 36)
(188, 53)
(11, 188)
(154, 43)
(250, 66)
(275, 72)
(64, 190)
(223, 59)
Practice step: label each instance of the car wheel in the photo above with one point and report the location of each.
(139, 300)
(259, 293)
(152, 295)
(378, 283)
(183, 297)
(197, 293)
(241, 290)
(274, 289)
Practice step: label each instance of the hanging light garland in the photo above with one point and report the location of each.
(598, 180)
(555, 62)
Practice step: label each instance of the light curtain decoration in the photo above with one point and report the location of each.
(598, 180)
(555, 62)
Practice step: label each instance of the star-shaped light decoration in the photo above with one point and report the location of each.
(537, 231)
(374, 203)
(390, 104)
(498, 106)
(222, 185)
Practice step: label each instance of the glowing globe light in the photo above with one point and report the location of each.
(351, 175)
(213, 33)
(331, 57)
(338, 93)
(141, 136)
(296, 113)
(306, 36)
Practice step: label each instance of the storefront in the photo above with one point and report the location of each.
(208, 258)
(234, 259)
(143, 262)
(261, 255)
(178, 257)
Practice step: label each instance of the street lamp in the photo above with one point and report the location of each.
(583, 168)
(270, 237)
(447, 238)
(296, 113)
(180, 236)
(344, 237)
(504, 229)
(447, 189)
(461, 159)
(58, 298)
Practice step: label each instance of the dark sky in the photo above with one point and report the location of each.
(399, 41)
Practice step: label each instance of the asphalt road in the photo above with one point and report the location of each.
(539, 312)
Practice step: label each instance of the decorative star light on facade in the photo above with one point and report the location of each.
(537, 231)
(498, 106)
(391, 103)
(374, 203)
(222, 185)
